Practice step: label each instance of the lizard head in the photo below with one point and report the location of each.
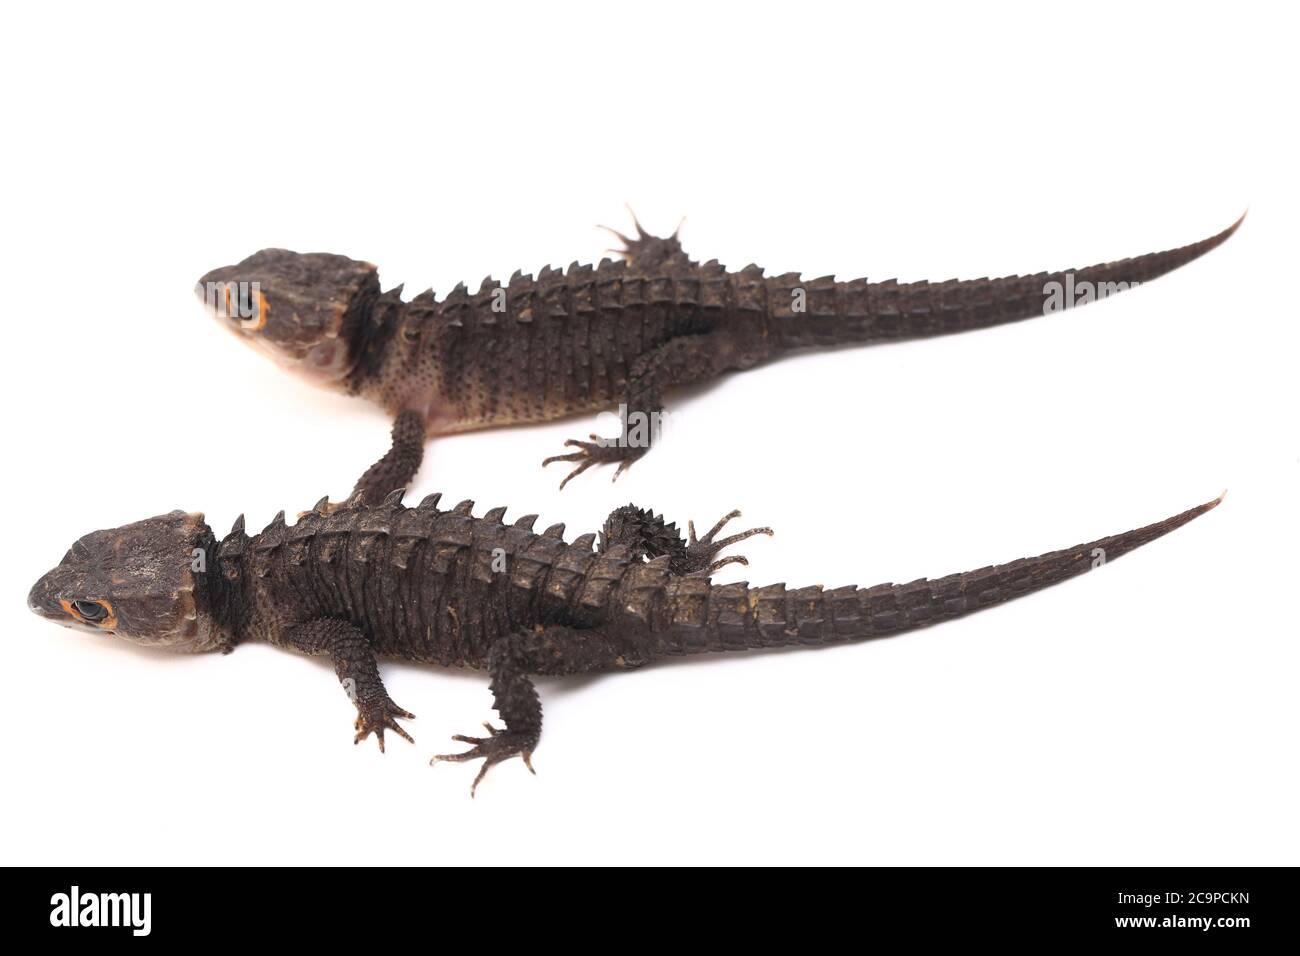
(138, 582)
(306, 310)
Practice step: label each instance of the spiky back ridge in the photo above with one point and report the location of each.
(432, 585)
(539, 347)
(566, 341)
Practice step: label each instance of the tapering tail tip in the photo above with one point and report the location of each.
(1119, 544)
(1212, 504)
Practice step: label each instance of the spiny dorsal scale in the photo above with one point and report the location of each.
(375, 521)
(329, 547)
(238, 526)
(320, 506)
(394, 499)
(572, 559)
(430, 502)
(619, 552)
(585, 541)
(364, 544)
(526, 522)
(401, 552)
(466, 507)
(495, 515)
(297, 548)
(453, 529)
(272, 535)
(554, 531)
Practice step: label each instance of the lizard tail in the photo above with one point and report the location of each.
(703, 617)
(824, 313)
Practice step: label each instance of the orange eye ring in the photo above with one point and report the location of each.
(74, 610)
(255, 322)
(258, 321)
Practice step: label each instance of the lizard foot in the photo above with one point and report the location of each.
(497, 746)
(645, 249)
(378, 715)
(598, 451)
(697, 557)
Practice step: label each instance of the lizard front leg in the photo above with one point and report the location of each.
(354, 663)
(679, 361)
(398, 466)
(646, 535)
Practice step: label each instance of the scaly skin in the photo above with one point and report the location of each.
(592, 338)
(422, 584)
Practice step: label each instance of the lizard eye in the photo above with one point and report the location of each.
(411, 333)
(90, 610)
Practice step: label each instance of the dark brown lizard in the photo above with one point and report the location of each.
(441, 586)
(591, 338)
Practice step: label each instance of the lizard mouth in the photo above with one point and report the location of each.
(323, 364)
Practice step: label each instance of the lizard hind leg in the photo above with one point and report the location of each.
(701, 551)
(515, 699)
(684, 360)
(551, 650)
(646, 535)
(646, 252)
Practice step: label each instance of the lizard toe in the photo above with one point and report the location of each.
(594, 452)
(498, 746)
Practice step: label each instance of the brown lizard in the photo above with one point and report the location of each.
(592, 337)
(425, 584)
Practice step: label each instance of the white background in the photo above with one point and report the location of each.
(1145, 714)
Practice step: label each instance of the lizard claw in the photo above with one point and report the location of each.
(597, 451)
(497, 746)
(377, 716)
(698, 562)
